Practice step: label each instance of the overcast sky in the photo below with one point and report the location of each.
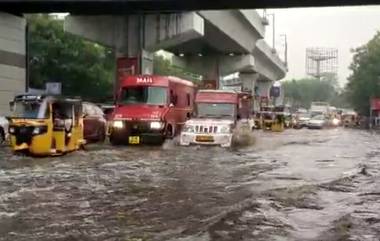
(339, 27)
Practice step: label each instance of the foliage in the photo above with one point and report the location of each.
(85, 69)
(301, 92)
(163, 66)
(364, 81)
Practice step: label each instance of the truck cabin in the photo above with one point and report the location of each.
(161, 91)
(145, 90)
(217, 104)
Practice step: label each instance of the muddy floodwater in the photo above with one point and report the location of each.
(296, 185)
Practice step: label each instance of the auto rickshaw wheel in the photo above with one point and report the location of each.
(2, 135)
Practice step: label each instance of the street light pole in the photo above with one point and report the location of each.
(273, 30)
(286, 49)
(265, 22)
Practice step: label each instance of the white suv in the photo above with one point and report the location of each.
(3, 129)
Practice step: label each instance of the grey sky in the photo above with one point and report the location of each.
(338, 27)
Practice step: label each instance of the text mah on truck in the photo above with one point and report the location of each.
(150, 108)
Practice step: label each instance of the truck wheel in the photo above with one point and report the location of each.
(102, 135)
(114, 142)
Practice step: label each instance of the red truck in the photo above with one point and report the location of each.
(150, 108)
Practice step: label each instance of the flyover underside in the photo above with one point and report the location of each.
(213, 41)
(137, 6)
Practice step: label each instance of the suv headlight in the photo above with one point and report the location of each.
(188, 128)
(156, 125)
(118, 124)
(225, 129)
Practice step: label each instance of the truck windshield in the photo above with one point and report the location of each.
(30, 110)
(143, 95)
(205, 110)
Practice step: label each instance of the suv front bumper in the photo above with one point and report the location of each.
(224, 140)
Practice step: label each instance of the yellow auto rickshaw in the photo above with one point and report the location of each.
(257, 120)
(45, 125)
(279, 120)
(268, 117)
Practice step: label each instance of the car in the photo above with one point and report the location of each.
(317, 122)
(95, 124)
(302, 119)
(3, 129)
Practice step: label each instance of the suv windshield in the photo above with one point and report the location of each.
(318, 117)
(144, 95)
(30, 110)
(215, 110)
(304, 115)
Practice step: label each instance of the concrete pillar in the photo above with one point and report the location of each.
(12, 59)
(248, 81)
(263, 87)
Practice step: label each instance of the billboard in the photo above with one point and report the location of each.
(375, 104)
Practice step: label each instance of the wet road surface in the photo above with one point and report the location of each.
(296, 185)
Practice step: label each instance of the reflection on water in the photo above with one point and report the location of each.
(296, 185)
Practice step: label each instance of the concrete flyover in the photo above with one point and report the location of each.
(211, 43)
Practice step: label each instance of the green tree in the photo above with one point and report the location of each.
(84, 68)
(364, 81)
(163, 66)
(302, 92)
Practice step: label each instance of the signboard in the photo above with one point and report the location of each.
(275, 91)
(375, 104)
(53, 88)
(125, 67)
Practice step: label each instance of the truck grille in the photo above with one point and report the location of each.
(206, 129)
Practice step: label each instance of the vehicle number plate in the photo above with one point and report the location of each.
(204, 138)
(134, 140)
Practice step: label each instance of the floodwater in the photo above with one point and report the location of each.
(296, 185)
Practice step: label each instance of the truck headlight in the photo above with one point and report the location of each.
(156, 125)
(118, 124)
(225, 129)
(188, 128)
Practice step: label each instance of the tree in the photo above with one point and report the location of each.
(163, 66)
(84, 68)
(302, 92)
(363, 83)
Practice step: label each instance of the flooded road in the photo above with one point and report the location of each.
(296, 185)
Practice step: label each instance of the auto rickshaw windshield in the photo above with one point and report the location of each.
(30, 110)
